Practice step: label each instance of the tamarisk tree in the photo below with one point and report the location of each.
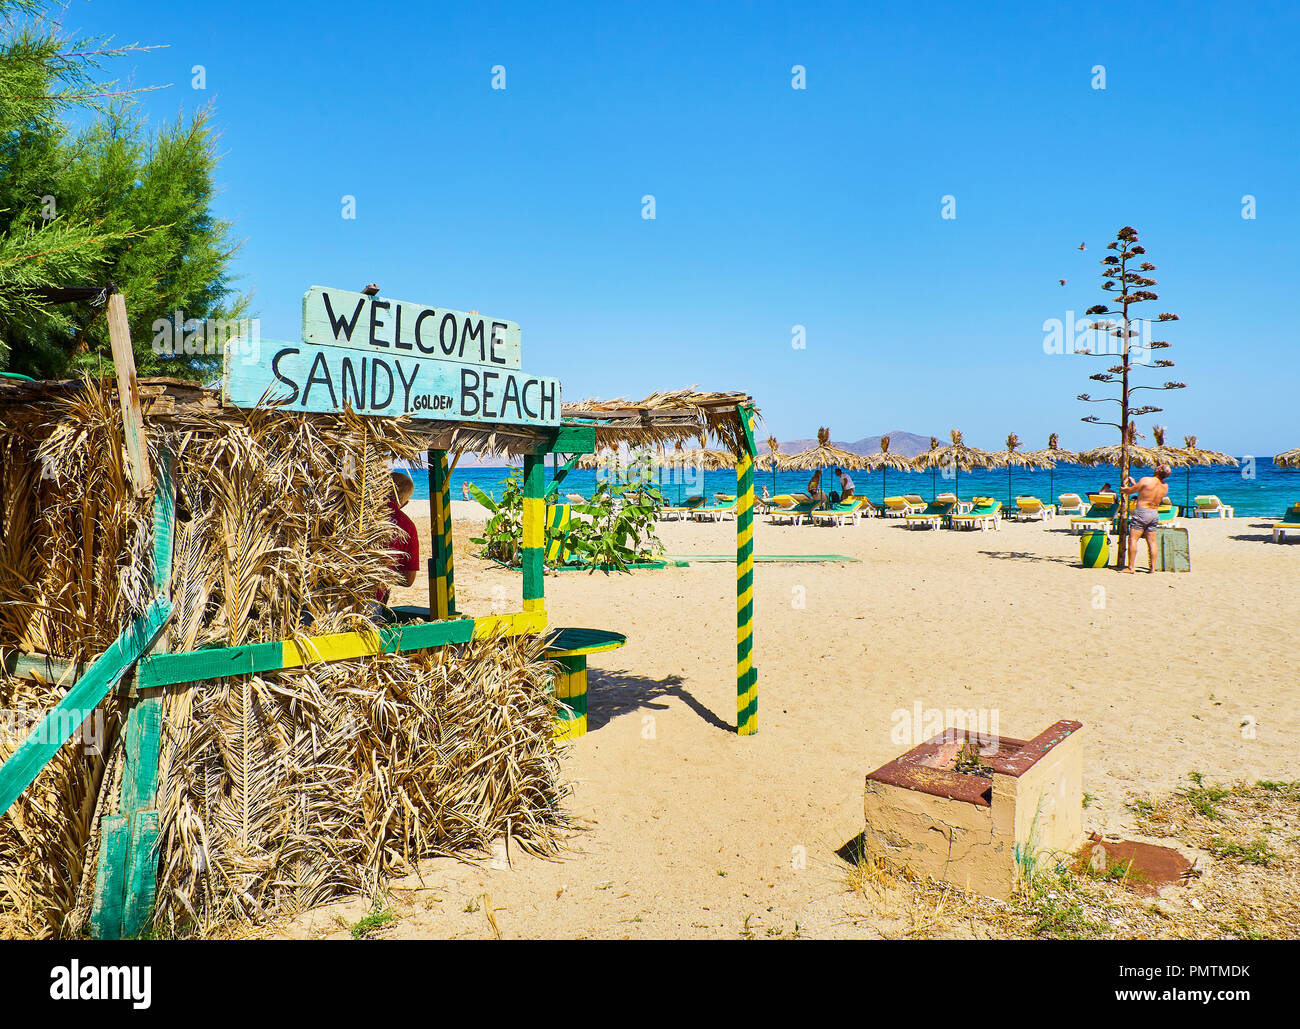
(1126, 282)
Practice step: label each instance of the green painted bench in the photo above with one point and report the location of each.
(569, 649)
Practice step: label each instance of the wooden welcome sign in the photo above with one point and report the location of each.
(389, 358)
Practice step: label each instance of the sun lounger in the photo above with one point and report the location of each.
(984, 515)
(1030, 509)
(846, 510)
(1070, 504)
(934, 514)
(1212, 505)
(1290, 523)
(679, 511)
(1101, 512)
(791, 507)
(901, 507)
(714, 512)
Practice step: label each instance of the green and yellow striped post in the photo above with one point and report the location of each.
(746, 674)
(534, 531)
(442, 574)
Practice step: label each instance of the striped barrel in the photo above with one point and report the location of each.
(1094, 549)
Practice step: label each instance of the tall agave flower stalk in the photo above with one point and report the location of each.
(1124, 274)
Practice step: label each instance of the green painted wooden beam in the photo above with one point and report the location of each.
(33, 666)
(219, 662)
(61, 721)
(110, 877)
(568, 439)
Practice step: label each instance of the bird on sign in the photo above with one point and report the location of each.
(371, 290)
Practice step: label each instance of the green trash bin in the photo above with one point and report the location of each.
(1094, 549)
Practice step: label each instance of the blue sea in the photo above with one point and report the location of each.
(1257, 488)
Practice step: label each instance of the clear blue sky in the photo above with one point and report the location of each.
(775, 207)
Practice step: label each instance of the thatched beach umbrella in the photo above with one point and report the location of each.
(703, 458)
(1012, 458)
(956, 456)
(885, 460)
(924, 461)
(825, 454)
(1174, 457)
(1050, 456)
(1193, 454)
(1286, 459)
(1138, 455)
(772, 459)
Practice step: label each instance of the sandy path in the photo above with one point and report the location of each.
(692, 831)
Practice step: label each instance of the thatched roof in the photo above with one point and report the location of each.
(956, 455)
(1287, 459)
(824, 454)
(1052, 455)
(1138, 455)
(1198, 455)
(683, 414)
(885, 459)
(660, 418)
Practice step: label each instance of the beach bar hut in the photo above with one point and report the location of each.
(218, 731)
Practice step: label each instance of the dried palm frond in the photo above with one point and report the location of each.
(957, 456)
(1198, 455)
(278, 790)
(887, 459)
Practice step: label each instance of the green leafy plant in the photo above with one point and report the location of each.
(614, 529)
(369, 926)
(504, 532)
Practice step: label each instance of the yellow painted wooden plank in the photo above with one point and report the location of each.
(338, 646)
(511, 625)
(534, 522)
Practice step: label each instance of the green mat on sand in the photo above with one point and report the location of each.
(775, 559)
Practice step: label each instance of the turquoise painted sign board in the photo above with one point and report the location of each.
(325, 378)
(340, 318)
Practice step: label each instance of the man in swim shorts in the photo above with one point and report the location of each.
(1151, 491)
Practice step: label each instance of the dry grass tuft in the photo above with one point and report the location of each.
(1245, 883)
(277, 791)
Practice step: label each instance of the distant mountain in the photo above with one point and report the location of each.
(908, 444)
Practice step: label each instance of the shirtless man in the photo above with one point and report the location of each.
(1151, 491)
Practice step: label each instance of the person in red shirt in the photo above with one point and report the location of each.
(405, 540)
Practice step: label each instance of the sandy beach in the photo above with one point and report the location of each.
(686, 830)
